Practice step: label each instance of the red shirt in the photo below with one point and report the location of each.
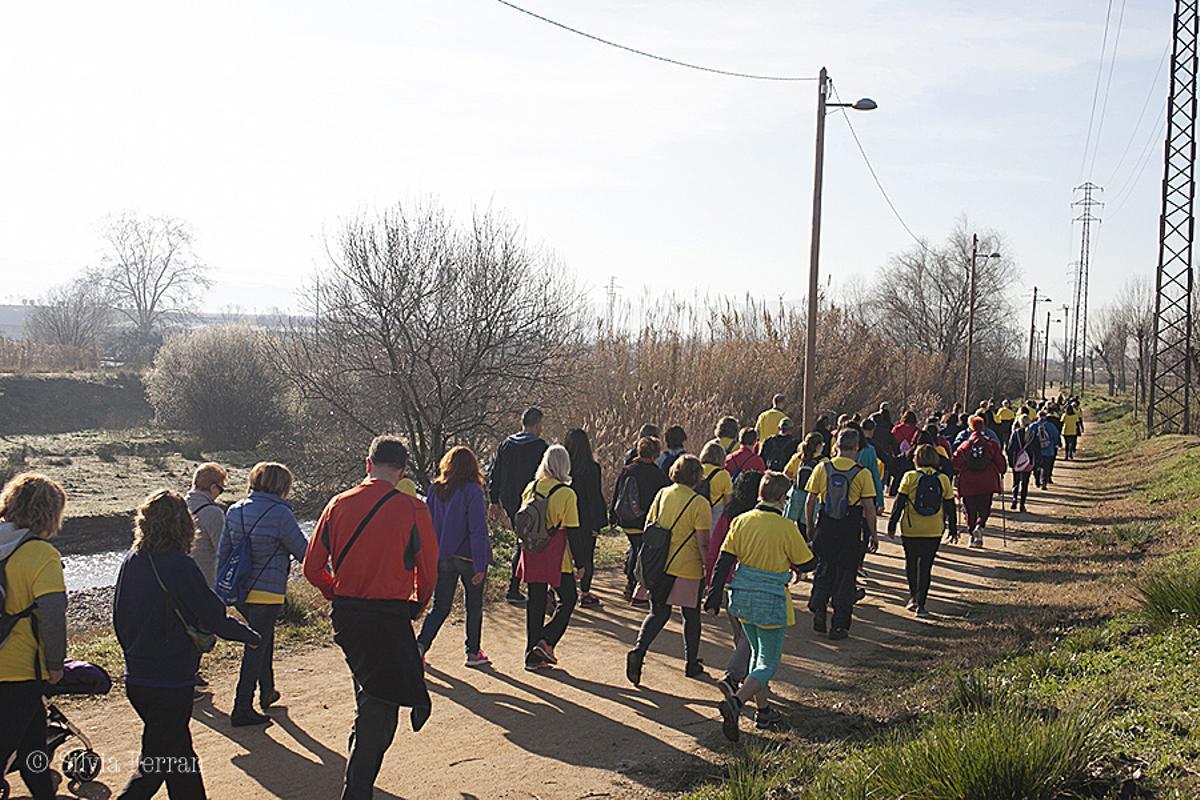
(743, 459)
(374, 569)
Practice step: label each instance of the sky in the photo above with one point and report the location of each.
(266, 125)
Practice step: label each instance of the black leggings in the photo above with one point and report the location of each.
(583, 552)
(536, 627)
(660, 612)
(167, 755)
(1072, 443)
(1045, 470)
(23, 734)
(919, 552)
(631, 557)
(1020, 487)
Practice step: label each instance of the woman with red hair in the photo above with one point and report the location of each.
(980, 465)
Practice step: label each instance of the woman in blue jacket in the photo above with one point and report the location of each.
(275, 539)
(464, 548)
(161, 599)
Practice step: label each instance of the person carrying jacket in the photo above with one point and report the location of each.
(159, 591)
(629, 509)
(275, 539)
(31, 511)
(980, 465)
(777, 449)
(761, 550)
(924, 508)
(1023, 455)
(374, 554)
(745, 457)
(208, 484)
(517, 459)
(593, 511)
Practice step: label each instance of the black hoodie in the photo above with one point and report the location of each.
(516, 462)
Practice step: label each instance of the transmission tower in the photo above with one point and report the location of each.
(1079, 333)
(1171, 356)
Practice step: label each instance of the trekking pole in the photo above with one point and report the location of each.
(1003, 511)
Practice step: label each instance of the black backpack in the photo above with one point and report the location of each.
(704, 487)
(928, 498)
(628, 505)
(802, 475)
(9, 621)
(977, 455)
(652, 561)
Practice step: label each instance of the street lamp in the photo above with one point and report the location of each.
(1046, 354)
(1029, 373)
(975, 256)
(810, 351)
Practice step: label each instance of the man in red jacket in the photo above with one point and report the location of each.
(980, 465)
(374, 555)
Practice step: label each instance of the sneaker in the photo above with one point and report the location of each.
(633, 667)
(590, 600)
(535, 664)
(245, 717)
(912, 605)
(627, 594)
(728, 686)
(1014, 505)
(1024, 510)
(768, 717)
(860, 594)
(478, 659)
(977, 541)
(731, 710)
(923, 614)
(819, 623)
(837, 634)
(695, 669)
(545, 651)
(270, 699)
(639, 603)
(514, 597)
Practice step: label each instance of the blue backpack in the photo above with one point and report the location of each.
(232, 583)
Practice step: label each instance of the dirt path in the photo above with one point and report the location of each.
(580, 731)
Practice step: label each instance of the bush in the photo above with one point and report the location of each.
(107, 453)
(220, 384)
(1170, 596)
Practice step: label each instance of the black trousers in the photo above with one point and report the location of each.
(23, 734)
(167, 755)
(536, 627)
(1072, 443)
(919, 553)
(583, 551)
(631, 557)
(1045, 470)
(258, 663)
(660, 613)
(1020, 487)
(374, 729)
(833, 583)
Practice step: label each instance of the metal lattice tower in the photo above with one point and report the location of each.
(1079, 332)
(1171, 356)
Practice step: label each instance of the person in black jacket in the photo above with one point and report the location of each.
(517, 460)
(629, 510)
(593, 513)
(648, 431)
(161, 596)
(777, 450)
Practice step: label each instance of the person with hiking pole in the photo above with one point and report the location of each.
(593, 512)
(517, 459)
(549, 512)
(671, 566)
(924, 508)
(846, 493)
(263, 528)
(761, 551)
(980, 465)
(374, 555)
(634, 493)
(1023, 455)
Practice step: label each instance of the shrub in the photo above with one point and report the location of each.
(220, 384)
(107, 453)
(1171, 595)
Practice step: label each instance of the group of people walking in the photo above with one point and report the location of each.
(725, 532)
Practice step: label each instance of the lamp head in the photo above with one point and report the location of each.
(865, 104)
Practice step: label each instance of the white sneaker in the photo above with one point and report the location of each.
(977, 540)
(912, 605)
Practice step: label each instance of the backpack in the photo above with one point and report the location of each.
(928, 498)
(704, 487)
(9, 621)
(802, 476)
(1043, 437)
(532, 523)
(977, 455)
(836, 504)
(232, 583)
(628, 505)
(652, 561)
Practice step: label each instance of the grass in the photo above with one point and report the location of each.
(1171, 595)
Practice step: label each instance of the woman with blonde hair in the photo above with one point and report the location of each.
(552, 566)
(715, 483)
(459, 513)
(265, 518)
(31, 511)
(165, 615)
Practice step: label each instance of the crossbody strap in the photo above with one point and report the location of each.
(361, 527)
(278, 543)
(692, 535)
(171, 601)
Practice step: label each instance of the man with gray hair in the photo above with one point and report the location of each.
(846, 492)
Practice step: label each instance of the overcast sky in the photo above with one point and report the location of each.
(263, 124)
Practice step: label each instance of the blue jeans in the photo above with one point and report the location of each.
(257, 670)
(450, 572)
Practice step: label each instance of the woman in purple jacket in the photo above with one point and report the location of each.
(456, 504)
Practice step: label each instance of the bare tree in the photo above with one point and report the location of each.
(75, 314)
(1112, 344)
(151, 272)
(435, 331)
(1137, 307)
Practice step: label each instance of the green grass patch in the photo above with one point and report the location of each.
(1171, 595)
(1129, 534)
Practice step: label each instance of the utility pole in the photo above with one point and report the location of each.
(970, 323)
(1046, 355)
(1066, 345)
(814, 259)
(1030, 374)
(1079, 339)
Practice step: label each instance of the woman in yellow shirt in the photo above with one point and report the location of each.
(715, 481)
(923, 508)
(688, 516)
(727, 433)
(1072, 429)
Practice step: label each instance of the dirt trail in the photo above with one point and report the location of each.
(580, 731)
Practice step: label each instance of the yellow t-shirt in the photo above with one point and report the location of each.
(720, 488)
(768, 541)
(32, 571)
(407, 486)
(1070, 425)
(1005, 414)
(768, 423)
(913, 524)
(562, 511)
(726, 443)
(668, 506)
(861, 488)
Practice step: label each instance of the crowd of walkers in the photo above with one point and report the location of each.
(726, 532)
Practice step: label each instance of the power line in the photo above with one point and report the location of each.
(1127, 188)
(1087, 142)
(1112, 67)
(635, 51)
(1150, 94)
